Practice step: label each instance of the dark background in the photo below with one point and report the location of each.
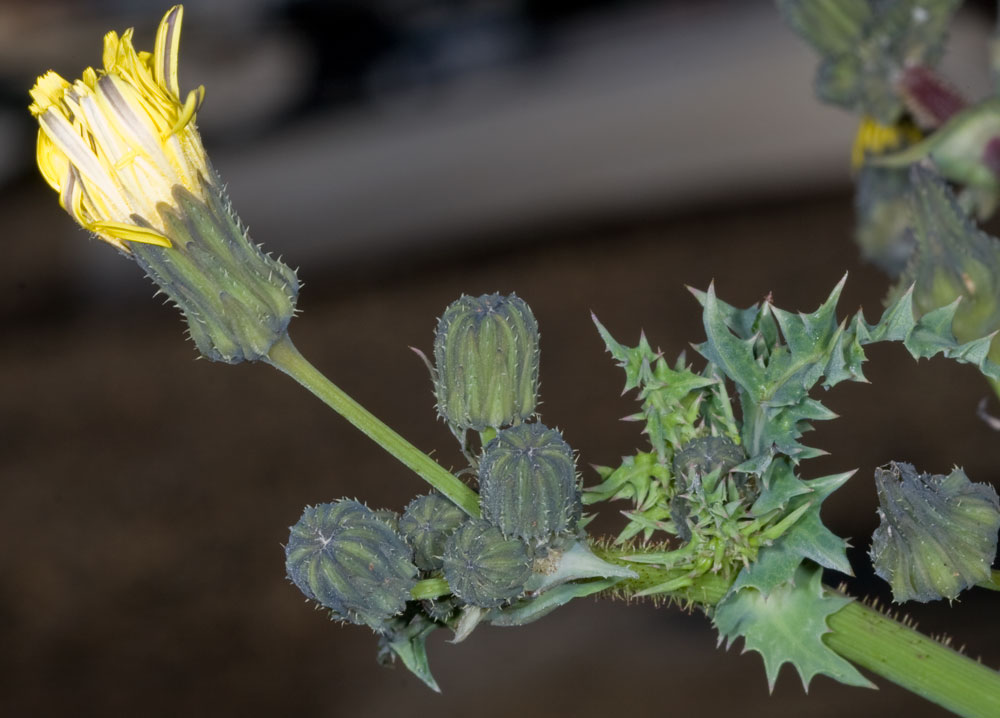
(587, 155)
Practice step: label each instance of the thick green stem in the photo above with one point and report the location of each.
(914, 661)
(286, 357)
(860, 634)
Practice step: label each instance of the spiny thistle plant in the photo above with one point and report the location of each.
(720, 514)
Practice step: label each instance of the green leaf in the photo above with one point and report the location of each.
(408, 642)
(734, 356)
(787, 626)
(780, 485)
(806, 538)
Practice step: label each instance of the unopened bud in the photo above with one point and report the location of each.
(482, 567)
(527, 483)
(938, 534)
(426, 525)
(953, 259)
(486, 357)
(344, 557)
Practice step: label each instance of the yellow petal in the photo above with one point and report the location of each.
(130, 233)
(46, 92)
(168, 39)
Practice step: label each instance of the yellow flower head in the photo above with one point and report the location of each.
(120, 147)
(115, 142)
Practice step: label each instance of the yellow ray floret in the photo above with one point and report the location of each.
(116, 142)
(874, 138)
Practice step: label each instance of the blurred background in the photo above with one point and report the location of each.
(587, 154)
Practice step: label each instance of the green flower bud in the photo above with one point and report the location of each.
(527, 483)
(938, 534)
(705, 455)
(482, 567)
(953, 259)
(486, 356)
(344, 557)
(426, 525)
(696, 459)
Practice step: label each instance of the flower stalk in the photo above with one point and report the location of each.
(284, 356)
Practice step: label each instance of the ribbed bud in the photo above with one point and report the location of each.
(482, 567)
(426, 525)
(953, 259)
(527, 483)
(486, 357)
(705, 455)
(938, 534)
(344, 557)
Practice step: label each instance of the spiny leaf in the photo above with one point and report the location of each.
(806, 538)
(734, 356)
(787, 626)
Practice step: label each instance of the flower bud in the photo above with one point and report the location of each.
(527, 483)
(344, 557)
(121, 148)
(953, 259)
(706, 454)
(482, 567)
(486, 357)
(938, 534)
(426, 525)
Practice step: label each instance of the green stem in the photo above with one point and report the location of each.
(914, 661)
(859, 633)
(430, 588)
(286, 357)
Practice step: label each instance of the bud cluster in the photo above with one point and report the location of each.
(366, 566)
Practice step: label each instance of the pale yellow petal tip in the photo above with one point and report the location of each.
(48, 90)
(118, 232)
(165, 51)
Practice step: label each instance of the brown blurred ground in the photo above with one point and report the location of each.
(146, 495)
